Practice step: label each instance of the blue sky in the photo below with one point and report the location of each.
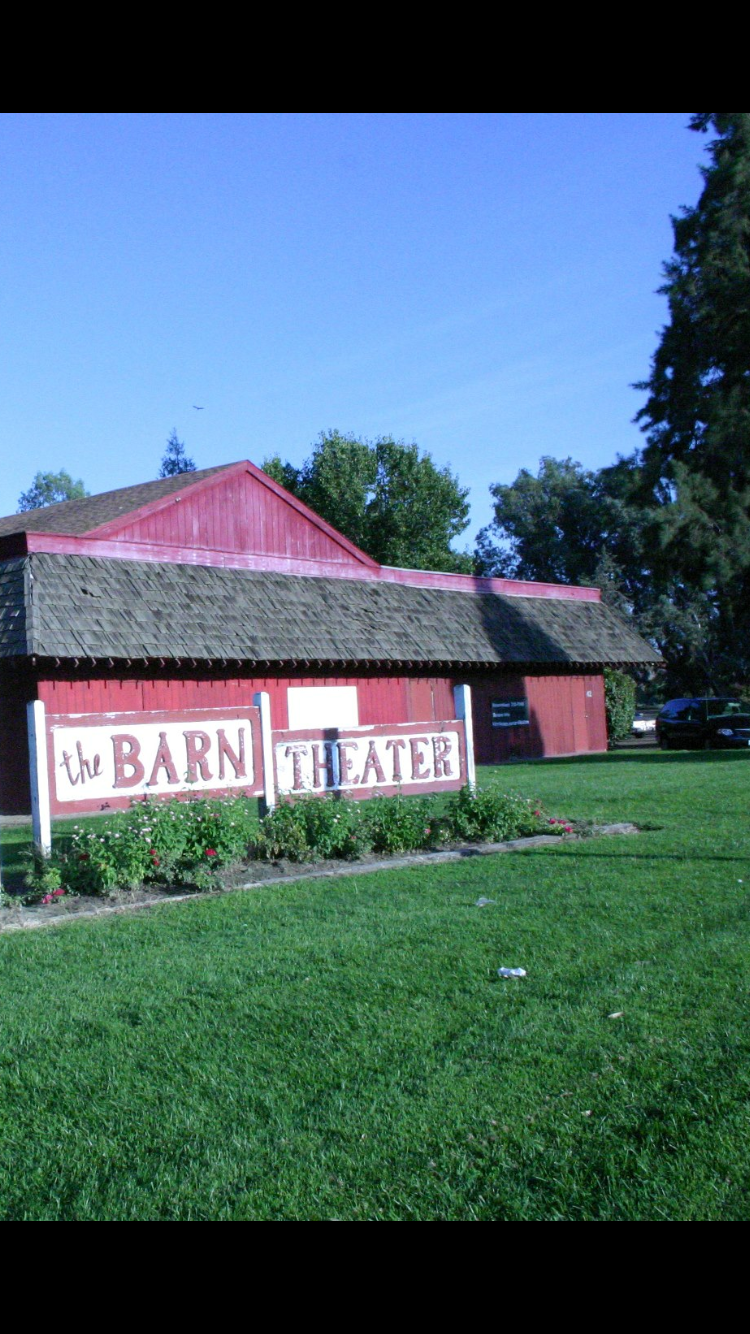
(482, 284)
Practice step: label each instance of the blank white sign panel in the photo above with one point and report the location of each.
(322, 706)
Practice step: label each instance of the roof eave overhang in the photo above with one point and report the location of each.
(223, 662)
(122, 549)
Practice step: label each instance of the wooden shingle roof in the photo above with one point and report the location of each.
(68, 607)
(14, 608)
(75, 517)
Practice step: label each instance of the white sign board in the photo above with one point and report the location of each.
(374, 761)
(322, 706)
(114, 759)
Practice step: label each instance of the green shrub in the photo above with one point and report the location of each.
(42, 876)
(495, 816)
(312, 827)
(164, 842)
(403, 824)
(188, 842)
(619, 702)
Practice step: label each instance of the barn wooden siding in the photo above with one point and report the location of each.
(382, 699)
(566, 715)
(564, 718)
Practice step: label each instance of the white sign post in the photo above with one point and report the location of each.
(462, 700)
(39, 774)
(262, 701)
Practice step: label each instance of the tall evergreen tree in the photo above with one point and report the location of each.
(175, 460)
(695, 475)
(666, 533)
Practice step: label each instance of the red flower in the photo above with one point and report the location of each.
(83, 857)
(211, 852)
(57, 892)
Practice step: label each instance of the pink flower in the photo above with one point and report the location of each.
(211, 852)
(57, 892)
(47, 898)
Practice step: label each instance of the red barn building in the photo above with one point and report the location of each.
(196, 591)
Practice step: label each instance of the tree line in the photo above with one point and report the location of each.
(665, 532)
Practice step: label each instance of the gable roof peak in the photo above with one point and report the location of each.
(77, 517)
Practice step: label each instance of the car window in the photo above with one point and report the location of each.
(731, 720)
(724, 708)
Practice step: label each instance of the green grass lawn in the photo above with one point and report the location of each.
(15, 843)
(346, 1050)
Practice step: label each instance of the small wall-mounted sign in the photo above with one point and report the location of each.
(510, 712)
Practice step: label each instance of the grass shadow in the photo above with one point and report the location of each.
(639, 856)
(635, 757)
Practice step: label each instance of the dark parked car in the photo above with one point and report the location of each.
(710, 723)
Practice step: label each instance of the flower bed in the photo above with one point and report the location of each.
(190, 843)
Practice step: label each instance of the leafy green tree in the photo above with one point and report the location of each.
(175, 460)
(548, 527)
(695, 467)
(385, 496)
(567, 525)
(48, 488)
(337, 482)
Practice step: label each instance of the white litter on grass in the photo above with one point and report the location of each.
(617, 1014)
(482, 903)
(511, 972)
